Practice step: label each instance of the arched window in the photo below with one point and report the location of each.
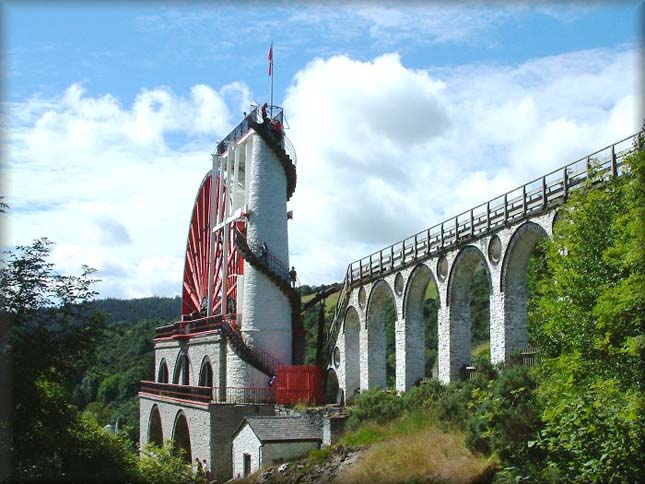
(331, 387)
(206, 374)
(182, 371)
(181, 437)
(162, 375)
(155, 433)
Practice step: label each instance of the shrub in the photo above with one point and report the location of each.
(422, 396)
(452, 407)
(376, 406)
(163, 465)
(593, 434)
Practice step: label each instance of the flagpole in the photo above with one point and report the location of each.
(271, 69)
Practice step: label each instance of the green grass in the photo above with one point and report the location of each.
(317, 457)
(330, 302)
(371, 432)
(412, 448)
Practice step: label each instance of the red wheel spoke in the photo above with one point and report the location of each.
(197, 260)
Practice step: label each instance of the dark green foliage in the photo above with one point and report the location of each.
(98, 456)
(480, 306)
(166, 465)
(504, 417)
(375, 406)
(310, 321)
(125, 357)
(592, 309)
(423, 396)
(452, 408)
(537, 273)
(431, 319)
(595, 435)
(134, 310)
(390, 349)
(50, 340)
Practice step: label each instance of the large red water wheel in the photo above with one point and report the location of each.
(197, 262)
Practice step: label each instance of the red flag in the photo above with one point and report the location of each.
(270, 57)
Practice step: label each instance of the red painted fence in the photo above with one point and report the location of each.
(303, 383)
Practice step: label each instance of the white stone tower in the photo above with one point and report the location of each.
(239, 312)
(265, 308)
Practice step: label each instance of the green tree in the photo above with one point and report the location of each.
(50, 340)
(592, 307)
(165, 465)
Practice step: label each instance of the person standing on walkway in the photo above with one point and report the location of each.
(263, 110)
(293, 276)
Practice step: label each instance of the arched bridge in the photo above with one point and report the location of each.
(500, 233)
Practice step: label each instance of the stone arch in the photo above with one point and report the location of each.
(155, 431)
(206, 373)
(466, 260)
(414, 331)
(331, 387)
(418, 279)
(353, 350)
(458, 302)
(181, 375)
(513, 284)
(375, 324)
(162, 374)
(181, 436)
(518, 251)
(557, 216)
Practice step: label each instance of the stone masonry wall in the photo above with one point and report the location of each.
(328, 422)
(508, 331)
(210, 427)
(266, 310)
(274, 452)
(245, 442)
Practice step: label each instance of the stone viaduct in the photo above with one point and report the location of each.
(501, 234)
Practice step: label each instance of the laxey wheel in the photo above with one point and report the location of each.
(197, 262)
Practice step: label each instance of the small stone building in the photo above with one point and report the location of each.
(267, 440)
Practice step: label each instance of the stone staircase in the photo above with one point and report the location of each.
(250, 353)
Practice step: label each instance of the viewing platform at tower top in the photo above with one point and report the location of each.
(271, 119)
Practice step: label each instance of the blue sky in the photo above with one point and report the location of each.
(113, 110)
(120, 48)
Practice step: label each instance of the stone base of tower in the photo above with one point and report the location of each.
(240, 374)
(210, 427)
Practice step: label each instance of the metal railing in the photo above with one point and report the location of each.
(206, 394)
(188, 326)
(262, 357)
(244, 395)
(275, 113)
(182, 392)
(527, 200)
(270, 261)
(334, 328)
(530, 356)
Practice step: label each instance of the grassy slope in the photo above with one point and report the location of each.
(408, 449)
(412, 449)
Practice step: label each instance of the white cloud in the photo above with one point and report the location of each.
(104, 183)
(384, 151)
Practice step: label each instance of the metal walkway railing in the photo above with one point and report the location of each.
(274, 264)
(206, 394)
(525, 201)
(244, 126)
